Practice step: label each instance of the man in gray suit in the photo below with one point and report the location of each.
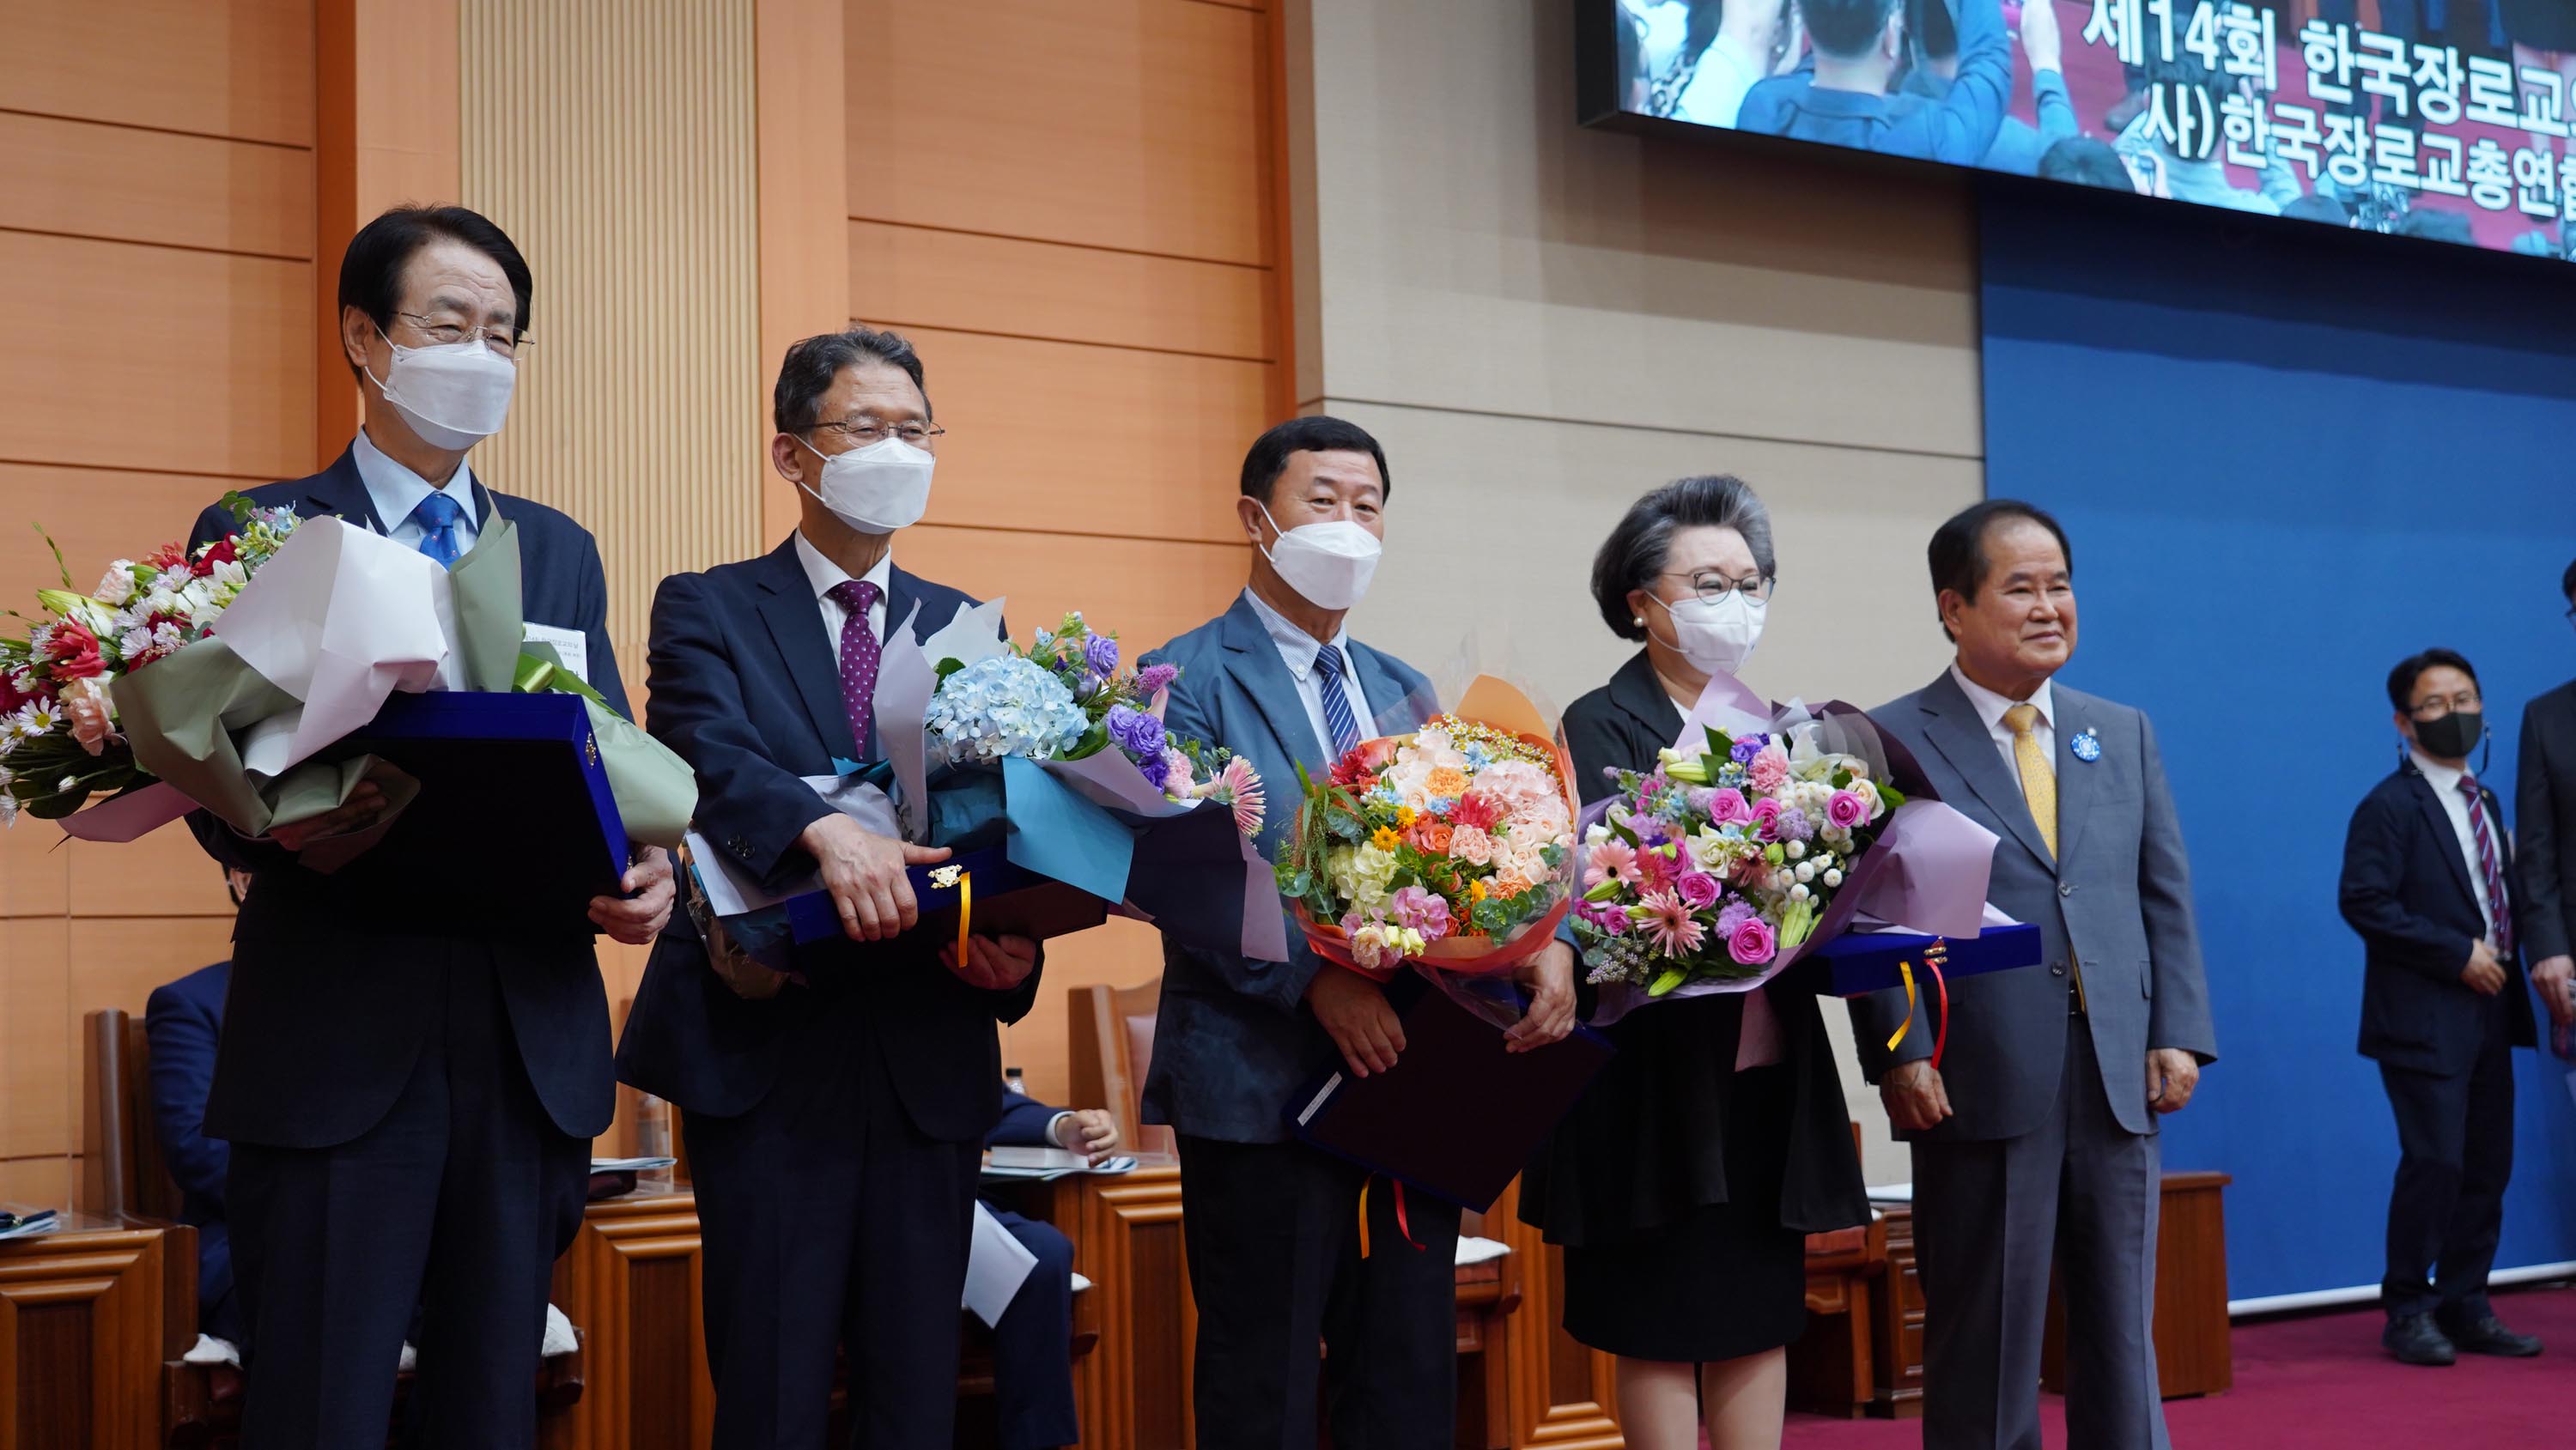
(2036, 1137)
(2546, 801)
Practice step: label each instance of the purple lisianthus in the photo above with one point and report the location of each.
(1698, 889)
(1701, 799)
(1736, 914)
(1747, 747)
(1155, 679)
(1138, 734)
(1793, 825)
(1101, 654)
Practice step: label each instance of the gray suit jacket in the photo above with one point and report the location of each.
(2116, 904)
(1233, 1040)
(2544, 921)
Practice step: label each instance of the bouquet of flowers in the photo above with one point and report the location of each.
(1451, 846)
(1720, 863)
(1067, 697)
(59, 742)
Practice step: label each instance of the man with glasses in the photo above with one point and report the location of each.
(835, 1119)
(2546, 769)
(409, 1074)
(2429, 883)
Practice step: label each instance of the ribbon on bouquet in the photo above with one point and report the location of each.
(1403, 1224)
(963, 881)
(1933, 956)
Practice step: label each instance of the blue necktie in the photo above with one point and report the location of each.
(1337, 702)
(437, 516)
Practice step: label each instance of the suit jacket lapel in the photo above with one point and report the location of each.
(2446, 834)
(796, 626)
(338, 490)
(1394, 710)
(1253, 659)
(2076, 779)
(1636, 690)
(1960, 735)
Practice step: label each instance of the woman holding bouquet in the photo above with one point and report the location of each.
(1684, 1183)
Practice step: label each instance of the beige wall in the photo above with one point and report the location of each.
(1541, 321)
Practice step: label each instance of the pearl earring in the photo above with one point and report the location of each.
(1639, 619)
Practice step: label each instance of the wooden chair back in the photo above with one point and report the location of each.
(122, 1170)
(1111, 1047)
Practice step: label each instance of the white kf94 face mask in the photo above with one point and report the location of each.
(1719, 637)
(453, 395)
(1329, 564)
(877, 489)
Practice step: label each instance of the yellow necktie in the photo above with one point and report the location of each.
(2038, 780)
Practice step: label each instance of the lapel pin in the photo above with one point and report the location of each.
(2086, 746)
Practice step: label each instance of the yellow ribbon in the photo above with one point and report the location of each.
(1364, 1235)
(1907, 969)
(965, 910)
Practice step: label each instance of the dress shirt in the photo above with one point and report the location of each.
(1991, 708)
(1297, 649)
(2446, 787)
(395, 491)
(1718, 86)
(826, 576)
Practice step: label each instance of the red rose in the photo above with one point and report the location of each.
(222, 551)
(74, 653)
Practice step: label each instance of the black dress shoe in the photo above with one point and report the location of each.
(2415, 1339)
(2489, 1336)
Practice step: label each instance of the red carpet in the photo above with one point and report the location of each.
(2322, 1380)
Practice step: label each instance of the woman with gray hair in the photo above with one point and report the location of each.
(1684, 1183)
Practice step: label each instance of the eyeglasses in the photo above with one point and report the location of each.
(1712, 587)
(864, 431)
(447, 334)
(2465, 700)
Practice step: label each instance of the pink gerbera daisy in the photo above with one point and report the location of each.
(1242, 785)
(1674, 930)
(1611, 858)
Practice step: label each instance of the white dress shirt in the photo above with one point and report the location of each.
(1991, 708)
(2446, 785)
(826, 576)
(1297, 649)
(396, 491)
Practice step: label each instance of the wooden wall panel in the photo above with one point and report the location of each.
(240, 68)
(1067, 439)
(38, 1181)
(38, 1065)
(804, 218)
(88, 179)
(1119, 954)
(903, 276)
(1136, 124)
(164, 875)
(614, 142)
(99, 372)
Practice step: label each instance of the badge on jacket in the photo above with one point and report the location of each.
(2087, 746)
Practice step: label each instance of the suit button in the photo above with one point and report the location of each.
(2057, 969)
(2065, 888)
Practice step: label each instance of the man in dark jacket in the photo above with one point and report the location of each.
(184, 1020)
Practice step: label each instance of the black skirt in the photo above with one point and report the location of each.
(1722, 1281)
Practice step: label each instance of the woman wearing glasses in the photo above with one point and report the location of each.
(1684, 1183)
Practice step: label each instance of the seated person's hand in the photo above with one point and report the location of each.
(994, 963)
(1354, 1013)
(1088, 1131)
(638, 916)
(865, 874)
(1550, 978)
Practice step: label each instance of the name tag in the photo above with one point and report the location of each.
(571, 646)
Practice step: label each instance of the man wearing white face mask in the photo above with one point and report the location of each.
(835, 1125)
(410, 1075)
(1273, 1238)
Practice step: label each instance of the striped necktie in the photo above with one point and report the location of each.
(1337, 702)
(2489, 871)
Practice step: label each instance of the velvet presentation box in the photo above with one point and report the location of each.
(1006, 900)
(1458, 1116)
(512, 792)
(1860, 962)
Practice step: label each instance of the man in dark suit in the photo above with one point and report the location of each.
(2429, 883)
(1033, 1340)
(1275, 1264)
(836, 1124)
(2035, 1140)
(2546, 796)
(183, 1020)
(413, 1068)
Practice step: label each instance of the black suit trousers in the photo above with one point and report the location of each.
(458, 1200)
(2446, 1209)
(1272, 1233)
(830, 1220)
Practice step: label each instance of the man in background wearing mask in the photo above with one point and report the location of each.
(2546, 796)
(409, 1074)
(2035, 1139)
(2429, 883)
(835, 1124)
(1271, 1224)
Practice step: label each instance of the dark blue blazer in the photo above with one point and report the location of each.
(337, 978)
(747, 688)
(2406, 890)
(1024, 1123)
(1233, 1039)
(183, 1021)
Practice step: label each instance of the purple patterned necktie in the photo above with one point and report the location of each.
(2497, 906)
(859, 655)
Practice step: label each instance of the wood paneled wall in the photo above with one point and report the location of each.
(157, 224)
(1072, 211)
